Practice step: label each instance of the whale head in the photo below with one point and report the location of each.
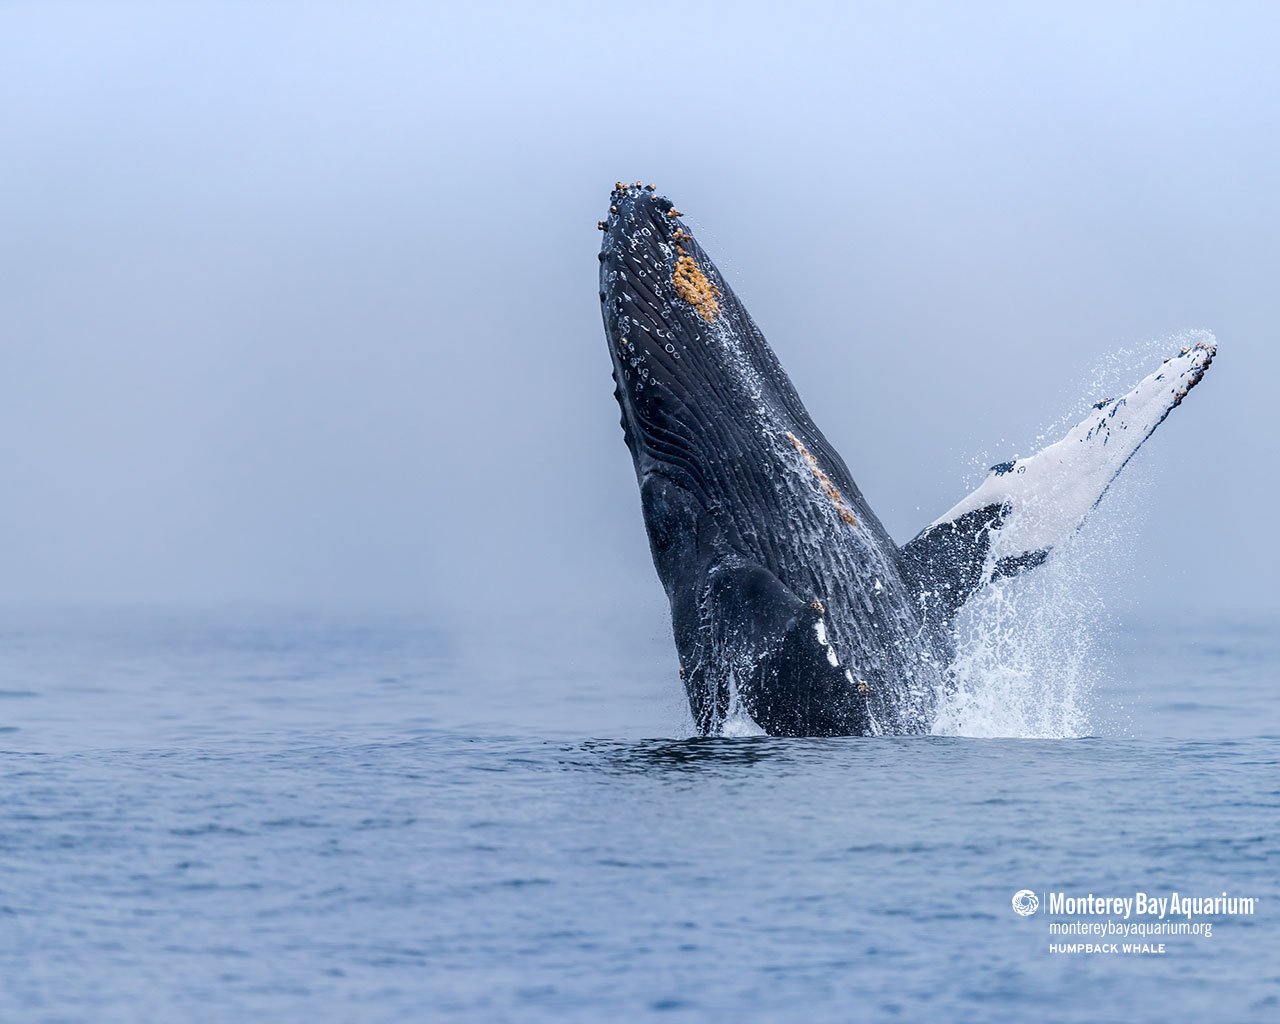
(685, 378)
(742, 496)
(705, 402)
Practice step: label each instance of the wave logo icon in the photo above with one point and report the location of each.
(1025, 903)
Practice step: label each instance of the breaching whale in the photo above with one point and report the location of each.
(790, 603)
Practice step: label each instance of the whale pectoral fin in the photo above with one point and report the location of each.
(787, 674)
(1028, 506)
(949, 559)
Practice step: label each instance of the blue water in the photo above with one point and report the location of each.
(257, 816)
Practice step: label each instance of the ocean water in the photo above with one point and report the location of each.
(249, 815)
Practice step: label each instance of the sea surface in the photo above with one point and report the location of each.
(242, 815)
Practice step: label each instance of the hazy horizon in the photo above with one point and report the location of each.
(300, 304)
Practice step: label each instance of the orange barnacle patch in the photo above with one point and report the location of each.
(828, 488)
(692, 286)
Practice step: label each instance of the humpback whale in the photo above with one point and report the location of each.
(790, 602)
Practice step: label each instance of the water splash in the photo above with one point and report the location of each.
(737, 721)
(1028, 656)
(1032, 650)
(738, 725)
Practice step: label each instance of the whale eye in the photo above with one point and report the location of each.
(661, 536)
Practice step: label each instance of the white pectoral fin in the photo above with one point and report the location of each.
(1028, 506)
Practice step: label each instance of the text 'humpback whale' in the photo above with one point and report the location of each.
(789, 601)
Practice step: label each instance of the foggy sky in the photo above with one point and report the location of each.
(299, 301)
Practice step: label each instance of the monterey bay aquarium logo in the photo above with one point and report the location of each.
(1025, 902)
(1139, 923)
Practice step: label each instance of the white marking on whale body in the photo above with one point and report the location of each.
(820, 629)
